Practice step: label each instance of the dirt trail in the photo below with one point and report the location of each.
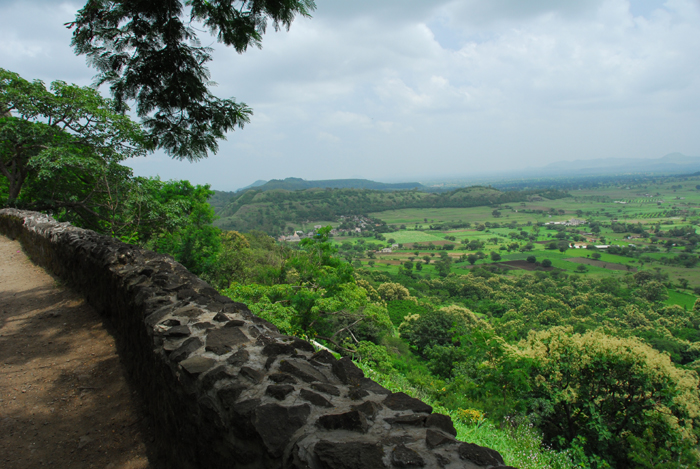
(64, 398)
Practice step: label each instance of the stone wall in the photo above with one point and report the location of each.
(224, 388)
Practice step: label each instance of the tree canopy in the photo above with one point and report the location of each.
(149, 51)
(67, 134)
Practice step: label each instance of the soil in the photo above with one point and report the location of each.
(65, 401)
(525, 265)
(603, 264)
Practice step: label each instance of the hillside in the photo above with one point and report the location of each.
(273, 210)
(297, 184)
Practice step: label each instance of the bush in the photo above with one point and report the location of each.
(546, 263)
(605, 393)
(531, 259)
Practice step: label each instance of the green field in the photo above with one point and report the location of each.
(674, 203)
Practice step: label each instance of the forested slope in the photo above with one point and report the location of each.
(272, 211)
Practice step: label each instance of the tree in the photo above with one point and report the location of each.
(443, 265)
(148, 51)
(531, 259)
(66, 138)
(598, 391)
(390, 291)
(495, 256)
(472, 258)
(546, 263)
(654, 292)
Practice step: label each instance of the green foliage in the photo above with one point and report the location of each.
(268, 302)
(309, 291)
(196, 244)
(61, 149)
(374, 355)
(271, 210)
(399, 309)
(607, 392)
(149, 52)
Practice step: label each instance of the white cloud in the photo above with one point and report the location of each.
(409, 88)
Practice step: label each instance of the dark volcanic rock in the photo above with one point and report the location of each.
(315, 399)
(186, 293)
(276, 424)
(369, 408)
(303, 345)
(326, 388)
(441, 460)
(324, 356)
(214, 376)
(235, 323)
(279, 391)
(252, 374)
(203, 325)
(356, 393)
(274, 349)
(434, 439)
(402, 456)
(222, 341)
(347, 372)
(350, 455)
(282, 378)
(411, 419)
(187, 347)
(402, 401)
(197, 364)
(177, 331)
(228, 395)
(220, 317)
(239, 358)
(369, 385)
(479, 455)
(443, 422)
(354, 421)
(301, 369)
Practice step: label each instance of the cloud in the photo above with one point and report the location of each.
(411, 89)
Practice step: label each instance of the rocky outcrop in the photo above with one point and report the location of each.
(224, 387)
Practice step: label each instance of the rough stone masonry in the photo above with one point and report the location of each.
(224, 388)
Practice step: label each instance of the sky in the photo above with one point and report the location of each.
(416, 90)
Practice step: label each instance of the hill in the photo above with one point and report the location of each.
(296, 184)
(273, 211)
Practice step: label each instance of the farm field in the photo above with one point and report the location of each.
(634, 219)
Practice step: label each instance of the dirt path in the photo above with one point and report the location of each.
(64, 399)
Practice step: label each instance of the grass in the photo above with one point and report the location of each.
(679, 298)
(520, 446)
(595, 204)
(404, 237)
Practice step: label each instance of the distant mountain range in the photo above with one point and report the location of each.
(296, 184)
(673, 163)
